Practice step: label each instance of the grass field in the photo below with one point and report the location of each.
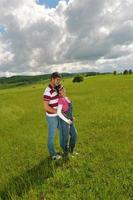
(103, 169)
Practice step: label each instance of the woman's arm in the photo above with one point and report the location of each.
(59, 113)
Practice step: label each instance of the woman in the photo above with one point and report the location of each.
(66, 124)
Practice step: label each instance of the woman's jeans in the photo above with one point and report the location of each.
(67, 131)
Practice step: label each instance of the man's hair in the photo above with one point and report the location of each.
(55, 75)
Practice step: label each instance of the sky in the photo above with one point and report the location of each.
(43, 36)
(2, 29)
(48, 3)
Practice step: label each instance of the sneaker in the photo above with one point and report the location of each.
(56, 157)
(72, 151)
(73, 154)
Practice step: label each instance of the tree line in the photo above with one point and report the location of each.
(124, 72)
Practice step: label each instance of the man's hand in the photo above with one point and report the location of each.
(47, 108)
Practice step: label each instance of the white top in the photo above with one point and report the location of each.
(59, 113)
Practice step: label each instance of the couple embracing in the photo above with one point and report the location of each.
(59, 115)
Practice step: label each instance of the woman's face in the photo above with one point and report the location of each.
(62, 92)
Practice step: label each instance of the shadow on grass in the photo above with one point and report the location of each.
(19, 185)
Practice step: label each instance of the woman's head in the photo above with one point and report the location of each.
(62, 91)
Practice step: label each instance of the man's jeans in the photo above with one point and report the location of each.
(52, 126)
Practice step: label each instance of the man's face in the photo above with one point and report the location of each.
(57, 81)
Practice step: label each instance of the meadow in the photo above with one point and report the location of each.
(103, 169)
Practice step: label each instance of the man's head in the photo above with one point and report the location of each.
(56, 79)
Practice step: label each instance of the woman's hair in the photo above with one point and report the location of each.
(59, 87)
(55, 75)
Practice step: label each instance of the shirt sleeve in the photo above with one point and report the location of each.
(46, 96)
(59, 113)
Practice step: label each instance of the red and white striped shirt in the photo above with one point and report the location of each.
(51, 96)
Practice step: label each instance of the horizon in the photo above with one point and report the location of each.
(102, 72)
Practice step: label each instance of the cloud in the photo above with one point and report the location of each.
(90, 35)
(5, 55)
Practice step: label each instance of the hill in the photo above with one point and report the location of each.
(103, 169)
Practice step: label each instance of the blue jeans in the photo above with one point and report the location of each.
(52, 126)
(68, 135)
(67, 130)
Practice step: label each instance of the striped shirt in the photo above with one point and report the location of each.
(50, 95)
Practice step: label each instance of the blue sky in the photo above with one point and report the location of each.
(49, 3)
(2, 29)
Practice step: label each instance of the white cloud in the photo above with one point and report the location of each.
(5, 55)
(90, 35)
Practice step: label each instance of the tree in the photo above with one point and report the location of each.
(78, 78)
(91, 74)
(125, 72)
(114, 72)
(130, 71)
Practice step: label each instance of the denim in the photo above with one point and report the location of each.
(53, 123)
(67, 131)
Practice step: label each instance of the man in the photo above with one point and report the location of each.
(50, 106)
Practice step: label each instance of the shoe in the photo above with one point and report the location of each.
(56, 157)
(72, 151)
(73, 154)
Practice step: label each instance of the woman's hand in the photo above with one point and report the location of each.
(73, 119)
(69, 122)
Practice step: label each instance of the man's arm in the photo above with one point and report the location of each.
(48, 108)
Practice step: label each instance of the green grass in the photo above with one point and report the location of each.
(103, 170)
